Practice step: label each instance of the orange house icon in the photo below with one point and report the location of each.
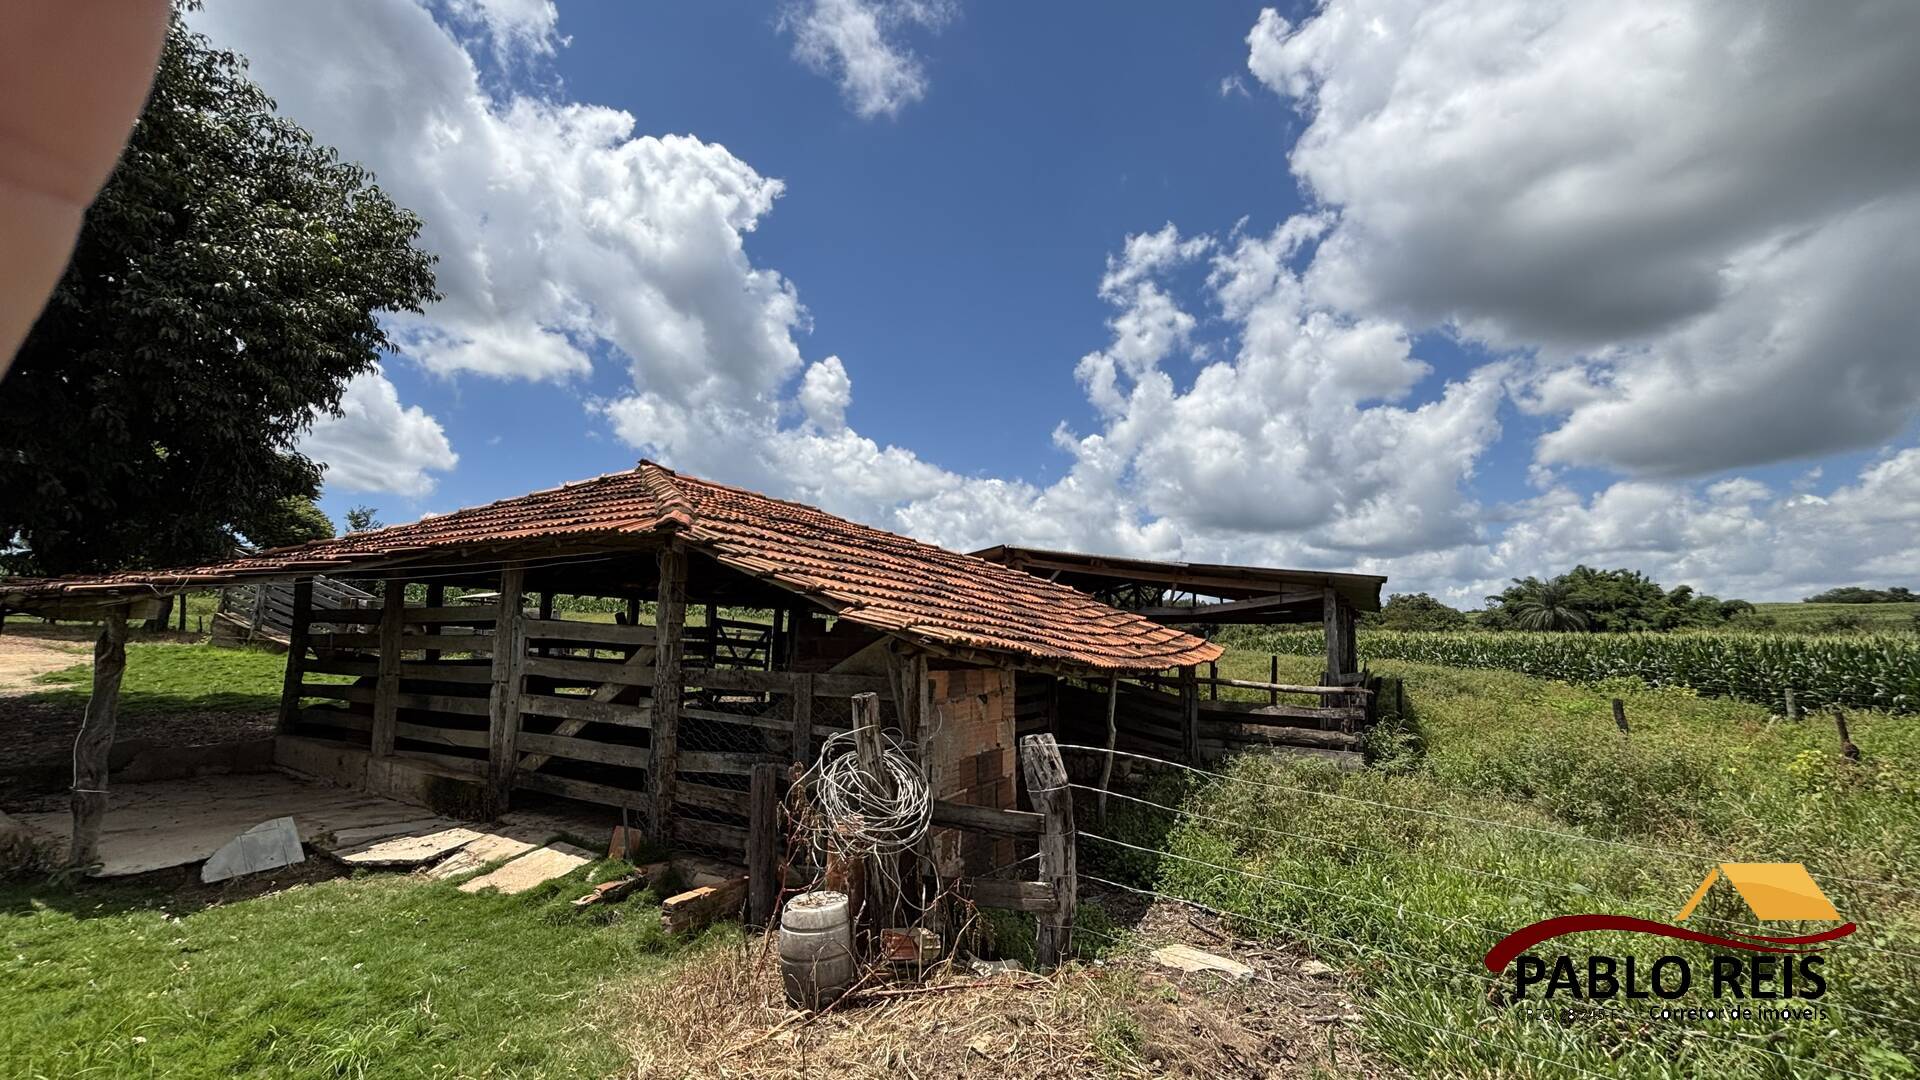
(1774, 891)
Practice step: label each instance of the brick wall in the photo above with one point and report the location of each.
(972, 760)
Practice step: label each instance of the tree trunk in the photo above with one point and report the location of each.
(94, 745)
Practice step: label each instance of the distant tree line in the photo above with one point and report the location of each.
(1582, 599)
(1854, 594)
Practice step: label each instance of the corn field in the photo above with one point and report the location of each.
(1880, 671)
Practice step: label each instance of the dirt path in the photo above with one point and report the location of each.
(23, 658)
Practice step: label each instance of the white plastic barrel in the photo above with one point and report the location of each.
(816, 948)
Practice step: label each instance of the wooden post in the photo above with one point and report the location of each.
(1213, 685)
(763, 837)
(1847, 749)
(1190, 713)
(1113, 736)
(386, 690)
(1793, 705)
(867, 745)
(183, 612)
(668, 634)
(1342, 655)
(503, 699)
(803, 720)
(296, 654)
(775, 638)
(713, 635)
(1273, 676)
(94, 745)
(546, 612)
(1620, 715)
(436, 597)
(1046, 777)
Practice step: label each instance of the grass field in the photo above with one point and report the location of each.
(380, 976)
(172, 677)
(1508, 762)
(1813, 616)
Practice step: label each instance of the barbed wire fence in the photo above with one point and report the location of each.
(1161, 875)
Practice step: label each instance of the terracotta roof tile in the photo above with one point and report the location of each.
(869, 576)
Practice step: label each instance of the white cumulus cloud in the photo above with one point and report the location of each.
(377, 444)
(857, 43)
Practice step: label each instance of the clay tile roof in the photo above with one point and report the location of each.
(923, 593)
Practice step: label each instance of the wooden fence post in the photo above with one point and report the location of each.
(669, 621)
(1113, 736)
(1793, 705)
(386, 689)
(94, 745)
(436, 597)
(503, 702)
(296, 653)
(1046, 777)
(867, 746)
(802, 704)
(1620, 715)
(1273, 676)
(1190, 713)
(1213, 686)
(1847, 749)
(763, 843)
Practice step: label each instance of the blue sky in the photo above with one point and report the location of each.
(1473, 299)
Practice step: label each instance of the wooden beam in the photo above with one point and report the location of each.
(94, 745)
(503, 701)
(386, 695)
(296, 654)
(669, 620)
(1190, 713)
(436, 598)
(1113, 738)
(991, 819)
(1046, 777)
(867, 747)
(763, 843)
(1227, 610)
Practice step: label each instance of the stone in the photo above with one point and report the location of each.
(1315, 969)
(267, 846)
(531, 869)
(1187, 958)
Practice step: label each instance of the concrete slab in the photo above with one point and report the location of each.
(408, 850)
(172, 823)
(269, 845)
(541, 865)
(343, 840)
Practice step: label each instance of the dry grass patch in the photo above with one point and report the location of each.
(721, 1013)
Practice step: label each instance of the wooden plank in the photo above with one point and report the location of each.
(94, 745)
(708, 797)
(1002, 893)
(586, 711)
(763, 842)
(387, 681)
(436, 597)
(585, 790)
(953, 815)
(763, 723)
(297, 629)
(336, 665)
(726, 763)
(1254, 712)
(728, 838)
(1282, 736)
(670, 614)
(443, 671)
(444, 703)
(1046, 777)
(603, 753)
(363, 695)
(509, 667)
(454, 615)
(337, 718)
(695, 908)
(1286, 688)
(470, 738)
(587, 633)
(825, 684)
(475, 642)
(594, 671)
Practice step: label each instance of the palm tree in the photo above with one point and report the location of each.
(1545, 605)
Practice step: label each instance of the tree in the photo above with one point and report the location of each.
(1541, 605)
(296, 521)
(224, 289)
(362, 518)
(1415, 611)
(1854, 594)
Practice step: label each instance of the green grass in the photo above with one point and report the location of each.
(378, 976)
(1811, 616)
(169, 677)
(1430, 892)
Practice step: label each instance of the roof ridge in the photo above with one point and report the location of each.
(676, 510)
